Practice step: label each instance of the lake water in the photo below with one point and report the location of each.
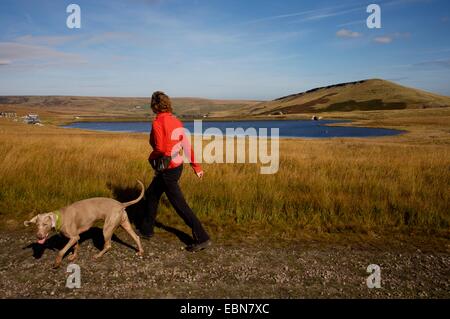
(288, 128)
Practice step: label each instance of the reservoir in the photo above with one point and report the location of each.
(287, 128)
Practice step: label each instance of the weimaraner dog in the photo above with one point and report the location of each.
(77, 218)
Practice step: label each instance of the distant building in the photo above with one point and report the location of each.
(8, 114)
(31, 119)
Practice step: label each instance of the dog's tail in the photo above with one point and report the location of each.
(137, 199)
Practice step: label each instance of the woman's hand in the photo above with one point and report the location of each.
(200, 174)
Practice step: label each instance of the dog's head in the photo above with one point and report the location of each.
(44, 224)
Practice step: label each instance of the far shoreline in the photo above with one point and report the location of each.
(182, 119)
(337, 122)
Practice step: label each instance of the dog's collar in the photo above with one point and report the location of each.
(56, 221)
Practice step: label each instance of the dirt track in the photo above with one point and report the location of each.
(249, 269)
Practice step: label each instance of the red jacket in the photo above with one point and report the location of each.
(167, 138)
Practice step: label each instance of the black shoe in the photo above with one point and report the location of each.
(200, 246)
(145, 236)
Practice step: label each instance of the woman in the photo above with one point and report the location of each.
(167, 138)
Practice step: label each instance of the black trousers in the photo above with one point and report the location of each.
(167, 182)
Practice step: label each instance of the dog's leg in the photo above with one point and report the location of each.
(62, 252)
(108, 230)
(127, 226)
(74, 255)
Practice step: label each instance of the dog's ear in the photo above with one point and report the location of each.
(31, 221)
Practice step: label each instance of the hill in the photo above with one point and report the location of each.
(363, 95)
(366, 95)
(114, 107)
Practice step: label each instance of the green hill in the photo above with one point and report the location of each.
(364, 95)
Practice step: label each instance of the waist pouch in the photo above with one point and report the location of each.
(161, 163)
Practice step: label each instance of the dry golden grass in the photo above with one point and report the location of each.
(323, 186)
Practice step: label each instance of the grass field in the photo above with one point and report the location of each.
(357, 186)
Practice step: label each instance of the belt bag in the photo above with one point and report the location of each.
(161, 163)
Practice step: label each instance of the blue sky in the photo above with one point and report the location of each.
(252, 49)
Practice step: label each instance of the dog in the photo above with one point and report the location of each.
(77, 218)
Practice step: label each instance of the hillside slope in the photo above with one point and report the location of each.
(364, 95)
(113, 106)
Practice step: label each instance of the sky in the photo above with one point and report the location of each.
(233, 49)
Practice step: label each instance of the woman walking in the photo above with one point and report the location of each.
(167, 138)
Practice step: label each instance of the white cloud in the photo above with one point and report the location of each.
(108, 37)
(383, 40)
(5, 62)
(18, 52)
(356, 22)
(440, 64)
(310, 14)
(390, 38)
(209, 38)
(45, 40)
(328, 14)
(344, 33)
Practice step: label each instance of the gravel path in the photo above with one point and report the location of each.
(248, 269)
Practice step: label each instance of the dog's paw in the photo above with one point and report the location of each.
(97, 257)
(72, 257)
(57, 263)
(140, 253)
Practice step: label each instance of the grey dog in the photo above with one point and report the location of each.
(77, 218)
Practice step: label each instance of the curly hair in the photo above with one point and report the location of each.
(161, 102)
